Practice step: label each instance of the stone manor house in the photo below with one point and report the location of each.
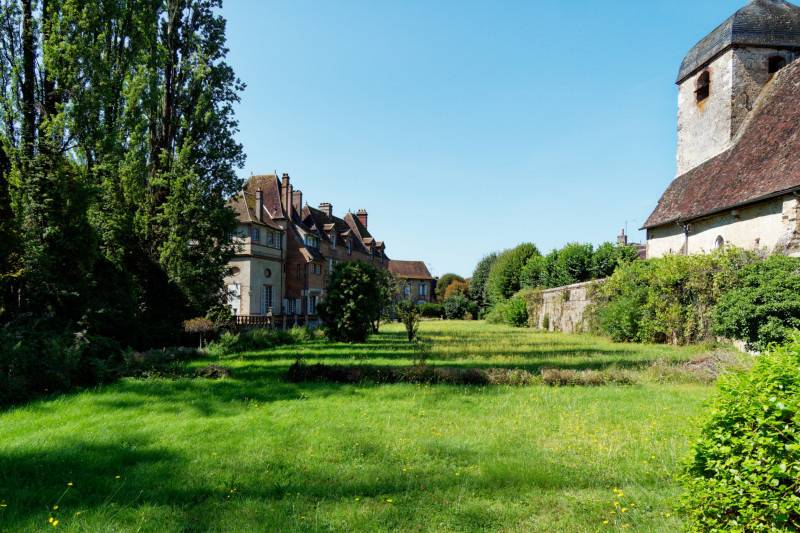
(288, 250)
(738, 179)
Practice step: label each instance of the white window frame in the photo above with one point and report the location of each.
(235, 298)
(267, 296)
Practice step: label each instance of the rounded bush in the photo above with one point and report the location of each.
(744, 472)
(431, 310)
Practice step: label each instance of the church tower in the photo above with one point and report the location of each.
(722, 76)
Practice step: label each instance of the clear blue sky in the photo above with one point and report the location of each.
(466, 127)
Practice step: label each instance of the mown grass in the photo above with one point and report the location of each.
(255, 453)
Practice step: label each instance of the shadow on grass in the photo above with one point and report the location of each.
(152, 477)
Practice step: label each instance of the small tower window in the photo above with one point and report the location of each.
(703, 86)
(775, 63)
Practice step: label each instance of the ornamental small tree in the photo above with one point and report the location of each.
(409, 315)
(357, 295)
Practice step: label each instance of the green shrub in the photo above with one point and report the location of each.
(511, 312)
(358, 293)
(431, 310)
(670, 299)
(744, 472)
(505, 275)
(37, 357)
(456, 307)
(764, 307)
(253, 340)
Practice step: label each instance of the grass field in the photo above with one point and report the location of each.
(255, 453)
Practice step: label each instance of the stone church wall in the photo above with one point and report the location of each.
(771, 226)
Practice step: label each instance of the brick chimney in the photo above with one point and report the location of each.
(361, 214)
(259, 205)
(287, 195)
(326, 208)
(297, 202)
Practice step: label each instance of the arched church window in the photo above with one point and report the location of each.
(775, 63)
(719, 243)
(703, 89)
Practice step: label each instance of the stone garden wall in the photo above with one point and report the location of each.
(562, 308)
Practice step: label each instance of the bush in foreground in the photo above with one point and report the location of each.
(745, 468)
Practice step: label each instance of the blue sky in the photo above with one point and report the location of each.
(466, 127)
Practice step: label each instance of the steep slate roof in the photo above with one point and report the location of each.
(773, 23)
(244, 205)
(764, 162)
(409, 269)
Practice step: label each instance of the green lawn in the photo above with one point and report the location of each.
(254, 453)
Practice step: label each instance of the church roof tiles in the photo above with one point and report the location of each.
(763, 162)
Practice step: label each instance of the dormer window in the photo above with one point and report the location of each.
(312, 241)
(349, 247)
(333, 241)
(703, 89)
(775, 63)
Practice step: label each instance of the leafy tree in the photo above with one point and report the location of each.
(570, 264)
(357, 294)
(608, 256)
(444, 282)
(505, 275)
(477, 284)
(457, 287)
(409, 315)
(534, 272)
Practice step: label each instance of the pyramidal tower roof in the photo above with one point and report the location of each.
(771, 23)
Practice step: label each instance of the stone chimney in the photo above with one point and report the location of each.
(297, 202)
(287, 195)
(259, 205)
(622, 239)
(326, 208)
(361, 214)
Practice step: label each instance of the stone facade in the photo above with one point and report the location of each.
(770, 226)
(287, 250)
(707, 128)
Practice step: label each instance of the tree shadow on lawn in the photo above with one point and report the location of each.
(32, 481)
